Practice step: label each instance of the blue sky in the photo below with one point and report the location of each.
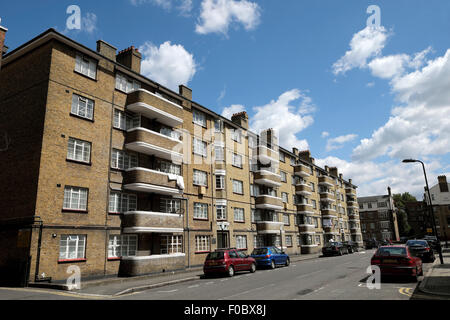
(282, 57)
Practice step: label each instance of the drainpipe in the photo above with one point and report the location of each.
(38, 254)
(188, 232)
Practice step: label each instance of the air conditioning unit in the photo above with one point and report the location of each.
(201, 190)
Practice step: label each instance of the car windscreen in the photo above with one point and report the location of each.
(215, 256)
(391, 251)
(417, 243)
(331, 244)
(259, 251)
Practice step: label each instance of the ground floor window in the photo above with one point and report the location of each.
(307, 239)
(288, 241)
(72, 247)
(241, 242)
(122, 246)
(258, 241)
(171, 244)
(202, 244)
(318, 240)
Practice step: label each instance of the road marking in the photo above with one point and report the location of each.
(194, 286)
(168, 291)
(294, 265)
(406, 291)
(211, 282)
(224, 280)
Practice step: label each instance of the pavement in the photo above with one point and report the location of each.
(436, 282)
(116, 286)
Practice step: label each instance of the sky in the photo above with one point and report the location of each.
(361, 89)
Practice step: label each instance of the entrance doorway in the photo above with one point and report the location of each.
(223, 240)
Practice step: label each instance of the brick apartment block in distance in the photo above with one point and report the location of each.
(116, 174)
(440, 199)
(379, 217)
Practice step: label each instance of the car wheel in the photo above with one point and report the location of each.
(272, 264)
(288, 262)
(253, 268)
(230, 271)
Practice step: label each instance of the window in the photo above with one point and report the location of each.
(72, 247)
(237, 160)
(288, 240)
(258, 241)
(369, 205)
(382, 204)
(256, 215)
(125, 121)
(219, 153)
(218, 126)
(220, 182)
(292, 161)
(200, 178)
(122, 246)
(318, 240)
(122, 160)
(316, 222)
(75, 198)
(253, 165)
(199, 118)
(168, 132)
(251, 142)
(313, 187)
(170, 205)
(282, 157)
(125, 84)
(122, 202)
(82, 107)
(286, 219)
(236, 135)
(202, 244)
(284, 196)
(238, 187)
(200, 211)
(221, 212)
(171, 244)
(79, 150)
(241, 242)
(238, 214)
(283, 176)
(169, 167)
(200, 147)
(86, 66)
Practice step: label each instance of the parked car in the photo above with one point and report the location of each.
(228, 261)
(403, 239)
(372, 244)
(421, 249)
(334, 248)
(397, 260)
(270, 257)
(432, 241)
(351, 246)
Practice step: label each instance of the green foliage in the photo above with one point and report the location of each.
(402, 217)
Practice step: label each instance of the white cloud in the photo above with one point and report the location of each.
(325, 134)
(370, 84)
(229, 111)
(168, 64)
(365, 44)
(389, 66)
(184, 6)
(217, 15)
(338, 142)
(88, 25)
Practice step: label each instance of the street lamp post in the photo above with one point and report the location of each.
(431, 208)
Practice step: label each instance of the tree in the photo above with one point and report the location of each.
(402, 217)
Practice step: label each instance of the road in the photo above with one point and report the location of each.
(330, 278)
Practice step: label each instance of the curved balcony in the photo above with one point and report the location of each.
(155, 107)
(151, 181)
(268, 202)
(303, 189)
(307, 228)
(326, 181)
(327, 197)
(305, 208)
(302, 170)
(266, 155)
(328, 212)
(154, 144)
(152, 222)
(140, 265)
(267, 178)
(269, 227)
(350, 192)
(352, 204)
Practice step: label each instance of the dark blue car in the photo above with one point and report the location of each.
(270, 257)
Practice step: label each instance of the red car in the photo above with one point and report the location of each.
(396, 260)
(228, 261)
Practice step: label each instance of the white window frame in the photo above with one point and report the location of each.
(79, 150)
(122, 202)
(202, 243)
(122, 160)
(219, 153)
(238, 187)
(237, 160)
(86, 111)
(86, 66)
(75, 241)
(76, 198)
(200, 211)
(125, 84)
(200, 147)
(221, 212)
(200, 178)
(239, 214)
(241, 242)
(199, 118)
(171, 244)
(288, 241)
(122, 245)
(220, 182)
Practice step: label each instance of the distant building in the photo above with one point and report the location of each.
(3, 48)
(418, 218)
(440, 198)
(378, 216)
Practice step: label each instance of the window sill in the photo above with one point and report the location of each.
(114, 213)
(201, 252)
(239, 221)
(115, 259)
(74, 211)
(86, 76)
(200, 219)
(71, 260)
(81, 117)
(89, 164)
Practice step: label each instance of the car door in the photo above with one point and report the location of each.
(276, 254)
(244, 261)
(236, 261)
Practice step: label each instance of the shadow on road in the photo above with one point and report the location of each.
(391, 279)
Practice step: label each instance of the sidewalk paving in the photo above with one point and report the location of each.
(111, 287)
(437, 280)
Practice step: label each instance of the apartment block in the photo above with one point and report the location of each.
(379, 217)
(418, 218)
(113, 173)
(440, 199)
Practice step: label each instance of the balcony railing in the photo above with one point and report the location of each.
(139, 265)
(268, 202)
(152, 181)
(155, 107)
(151, 222)
(302, 170)
(303, 189)
(267, 178)
(326, 181)
(269, 227)
(267, 155)
(155, 144)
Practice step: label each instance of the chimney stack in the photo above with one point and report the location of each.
(107, 50)
(350, 181)
(334, 171)
(131, 58)
(3, 48)
(340, 176)
(241, 119)
(443, 185)
(327, 169)
(295, 151)
(389, 192)
(305, 155)
(185, 91)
